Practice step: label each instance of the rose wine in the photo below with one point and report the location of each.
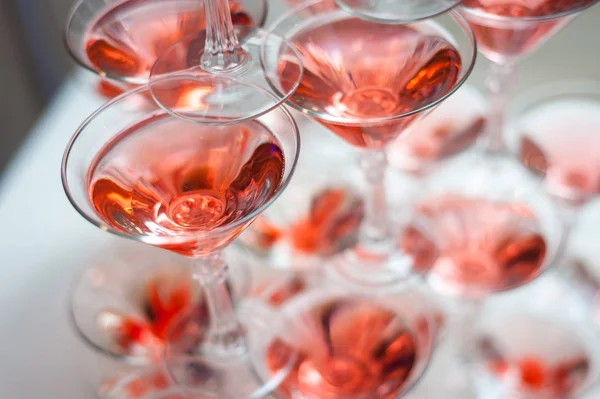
(475, 246)
(165, 177)
(127, 39)
(501, 39)
(541, 358)
(558, 139)
(356, 69)
(346, 348)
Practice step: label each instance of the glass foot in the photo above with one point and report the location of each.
(200, 368)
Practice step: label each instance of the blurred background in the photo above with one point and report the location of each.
(34, 63)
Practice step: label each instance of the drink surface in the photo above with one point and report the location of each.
(345, 348)
(356, 70)
(127, 39)
(167, 177)
(477, 245)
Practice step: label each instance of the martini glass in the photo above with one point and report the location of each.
(479, 232)
(550, 350)
(368, 82)
(350, 345)
(552, 133)
(134, 170)
(507, 31)
(119, 41)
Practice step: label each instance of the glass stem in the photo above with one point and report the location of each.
(225, 335)
(375, 230)
(499, 85)
(223, 52)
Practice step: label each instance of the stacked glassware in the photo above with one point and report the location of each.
(400, 277)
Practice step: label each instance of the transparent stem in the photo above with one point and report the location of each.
(375, 230)
(499, 86)
(223, 52)
(225, 335)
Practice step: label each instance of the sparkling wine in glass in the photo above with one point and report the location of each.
(367, 82)
(551, 132)
(551, 348)
(121, 40)
(506, 31)
(352, 346)
(140, 173)
(481, 228)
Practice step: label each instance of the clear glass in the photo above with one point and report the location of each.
(551, 131)
(399, 12)
(123, 304)
(483, 226)
(319, 31)
(504, 37)
(353, 345)
(228, 347)
(246, 56)
(147, 27)
(551, 350)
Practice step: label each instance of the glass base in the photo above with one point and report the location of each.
(264, 81)
(360, 267)
(201, 369)
(393, 11)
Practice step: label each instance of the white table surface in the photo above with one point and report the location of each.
(45, 242)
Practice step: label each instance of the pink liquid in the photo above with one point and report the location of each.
(166, 177)
(536, 357)
(128, 38)
(346, 348)
(559, 139)
(477, 246)
(355, 69)
(509, 39)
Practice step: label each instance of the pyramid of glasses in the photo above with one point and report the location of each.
(280, 269)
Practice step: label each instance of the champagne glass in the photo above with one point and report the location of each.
(367, 82)
(552, 133)
(551, 349)
(507, 31)
(119, 41)
(134, 170)
(478, 232)
(351, 345)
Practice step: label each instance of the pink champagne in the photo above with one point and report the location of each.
(499, 40)
(356, 69)
(127, 39)
(559, 139)
(476, 246)
(167, 177)
(346, 348)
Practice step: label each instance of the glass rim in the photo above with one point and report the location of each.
(507, 19)
(345, 121)
(370, 17)
(160, 240)
(72, 48)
